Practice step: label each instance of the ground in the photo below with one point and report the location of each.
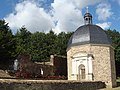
(116, 88)
(4, 73)
(118, 82)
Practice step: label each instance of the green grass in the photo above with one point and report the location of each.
(118, 82)
(117, 88)
(118, 79)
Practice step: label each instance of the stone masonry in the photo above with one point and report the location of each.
(103, 62)
(7, 84)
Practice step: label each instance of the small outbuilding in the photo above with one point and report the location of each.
(90, 55)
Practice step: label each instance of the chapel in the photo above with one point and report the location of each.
(90, 55)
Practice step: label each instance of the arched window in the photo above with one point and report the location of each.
(86, 19)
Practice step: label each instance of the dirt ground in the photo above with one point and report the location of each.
(4, 74)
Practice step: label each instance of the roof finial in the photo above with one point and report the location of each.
(87, 11)
(87, 17)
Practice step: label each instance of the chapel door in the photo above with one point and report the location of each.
(82, 72)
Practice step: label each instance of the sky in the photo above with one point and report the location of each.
(59, 15)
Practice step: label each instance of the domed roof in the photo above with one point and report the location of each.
(89, 34)
(87, 15)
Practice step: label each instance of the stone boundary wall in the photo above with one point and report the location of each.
(60, 64)
(14, 84)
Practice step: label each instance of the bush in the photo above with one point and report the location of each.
(23, 75)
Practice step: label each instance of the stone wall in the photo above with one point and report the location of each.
(113, 67)
(50, 85)
(71, 52)
(102, 65)
(60, 64)
(26, 65)
(56, 67)
(103, 62)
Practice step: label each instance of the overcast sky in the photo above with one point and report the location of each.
(59, 15)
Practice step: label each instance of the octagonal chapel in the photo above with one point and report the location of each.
(90, 56)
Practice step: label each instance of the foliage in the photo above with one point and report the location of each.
(115, 37)
(22, 38)
(38, 47)
(20, 74)
(61, 43)
(41, 45)
(7, 44)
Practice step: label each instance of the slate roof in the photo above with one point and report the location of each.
(89, 34)
(87, 15)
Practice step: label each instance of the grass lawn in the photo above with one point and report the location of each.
(118, 80)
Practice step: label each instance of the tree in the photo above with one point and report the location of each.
(115, 36)
(38, 46)
(22, 38)
(7, 45)
(50, 42)
(61, 43)
(42, 45)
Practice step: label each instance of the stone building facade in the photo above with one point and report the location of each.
(90, 56)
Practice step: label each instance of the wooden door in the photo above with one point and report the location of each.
(81, 71)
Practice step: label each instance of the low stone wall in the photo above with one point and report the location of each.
(6, 84)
